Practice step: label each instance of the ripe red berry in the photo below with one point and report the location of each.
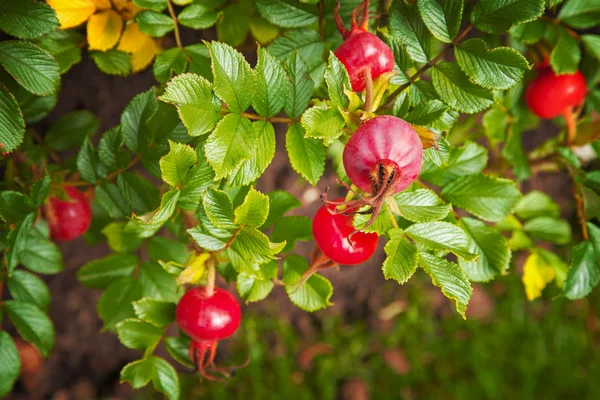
(208, 319)
(550, 95)
(68, 219)
(338, 239)
(384, 156)
(362, 52)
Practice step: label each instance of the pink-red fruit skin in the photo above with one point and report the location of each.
(331, 232)
(68, 219)
(208, 319)
(550, 95)
(363, 51)
(386, 139)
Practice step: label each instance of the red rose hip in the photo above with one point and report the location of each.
(550, 95)
(339, 240)
(68, 219)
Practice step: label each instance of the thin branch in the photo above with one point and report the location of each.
(176, 30)
(256, 117)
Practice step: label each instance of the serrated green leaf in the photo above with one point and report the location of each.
(234, 80)
(250, 249)
(27, 19)
(109, 197)
(252, 289)
(497, 16)
(550, 229)
(12, 128)
(135, 119)
(486, 197)
(406, 24)
(592, 44)
(314, 294)
(100, 273)
(287, 13)
(442, 17)
(280, 203)
(70, 130)
(164, 249)
(219, 209)
(455, 89)
(112, 62)
(492, 248)
(197, 16)
(32, 324)
(338, 82)
(442, 236)
(156, 5)
(199, 60)
(140, 194)
(35, 69)
(498, 68)
(307, 156)
(495, 123)
(137, 334)
(262, 155)
(87, 161)
(179, 349)
(156, 312)
(115, 304)
(584, 274)
(468, 159)
(177, 163)
(41, 255)
(26, 287)
(301, 85)
(450, 278)
(165, 378)
(154, 23)
(421, 205)
(138, 373)
(17, 243)
(148, 224)
(158, 283)
(232, 25)
(530, 32)
(10, 363)
(119, 240)
(110, 152)
(304, 43)
(323, 122)
(580, 14)
(168, 63)
(39, 190)
(14, 206)
(271, 85)
(515, 154)
(196, 182)
(427, 113)
(566, 54)
(401, 261)
(291, 229)
(254, 210)
(536, 204)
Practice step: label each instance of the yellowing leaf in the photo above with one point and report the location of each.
(126, 8)
(194, 269)
(537, 273)
(132, 40)
(71, 13)
(104, 30)
(144, 56)
(102, 4)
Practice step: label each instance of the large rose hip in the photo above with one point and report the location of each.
(550, 95)
(383, 156)
(68, 219)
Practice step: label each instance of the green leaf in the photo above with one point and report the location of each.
(499, 68)
(163, 249)
(32, 324)
(515, 154)
(307, 156)
(262, 155)
(566, 55)
(87, 161)
(427, 113)
(401, 257)
(110, 152)
(41, 255)
(287, 13)
(197, 16)
(27, 19)
(26, 287)
(100, 273)
(14, 206)
(10, 363)
(280, 203)
(529, 33)
(156, 312)
(455, 89)
(156, 5)
(138, 335)
(550, 229)
(17, 241)
(199, 60)
(306, 44)
(580, 14)
(109, 197)
(135, 118)
(39, 190)
(179, 349)
(442, 17)
(252, 289)
(165, 378)
(421, 205)
(495, 123)
(450, 278)
(291, 229)
(65, 47)
(468, 159)
(234, 81)
(112, 62)
(196, 182)
(177, 163)
(584, 274)
(537, 204)
(301, 87)
(381, 225)
(323, 122)
(271, 85)
(35, 69)
(195, 103)
(148, 224)
(232, 26)
(154, 23)
(139, 194)
(314, 294)
(115, 304)
(497, 16)
(219, 209)
(250, 249)
(492, 248)
(70, 130)
(119, 240)
(12, 128)
(406, 25)
(168, 63)
(338, 82)
(254, 210)
(486, 197)
(592, 44)
(138, 373)
(442, 236)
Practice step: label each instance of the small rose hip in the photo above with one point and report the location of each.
(68, 219)
(550, 95)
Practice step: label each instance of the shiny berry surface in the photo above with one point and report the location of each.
(68, 219)
(550, 95)
(364, 51)
(332, 231)
(208, 318)
(383, 140)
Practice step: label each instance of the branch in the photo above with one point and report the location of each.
(256, 117)
(413, 78)
(176, 30)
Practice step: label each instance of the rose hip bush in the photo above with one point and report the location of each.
(420, 109)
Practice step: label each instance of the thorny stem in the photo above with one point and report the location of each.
(176, 30)
(580, 205)
(424, 68)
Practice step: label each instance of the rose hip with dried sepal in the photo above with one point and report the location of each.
(70, 218)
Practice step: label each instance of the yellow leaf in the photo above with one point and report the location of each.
(104, 30)
(194, 269)
(126, 8)
(71, 13)
(144, 56)
(102, 4)
(262, 30)
(537, 273)
(132, 40)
